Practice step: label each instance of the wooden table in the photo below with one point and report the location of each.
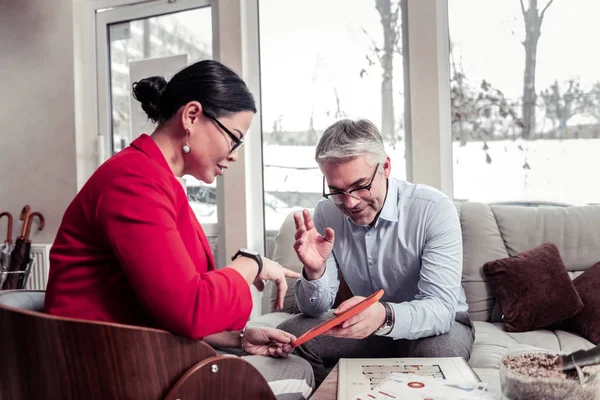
(328, 389)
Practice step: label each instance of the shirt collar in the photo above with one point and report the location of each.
(389, 212)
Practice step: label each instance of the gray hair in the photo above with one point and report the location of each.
(347, 139)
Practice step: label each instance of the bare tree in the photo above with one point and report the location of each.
(592, 104)
(457, 96)
(339, 113)
(561, 104)
(275, 136)
(533, 24)
(478, 111)
(389, 12)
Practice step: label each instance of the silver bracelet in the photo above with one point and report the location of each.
(244, 353)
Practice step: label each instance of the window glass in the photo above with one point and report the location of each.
(525, 107)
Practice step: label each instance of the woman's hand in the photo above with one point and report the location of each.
(268, 342)
(273, 271)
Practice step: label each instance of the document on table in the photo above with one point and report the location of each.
(414, 387)
(361, 375)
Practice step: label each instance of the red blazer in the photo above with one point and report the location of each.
(130, 250)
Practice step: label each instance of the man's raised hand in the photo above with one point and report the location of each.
(312, 248)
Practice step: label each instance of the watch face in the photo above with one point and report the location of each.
(384, 330)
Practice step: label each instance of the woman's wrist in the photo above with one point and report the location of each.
(246, 267)
(253, 255)
(243, 342)
(230, 339)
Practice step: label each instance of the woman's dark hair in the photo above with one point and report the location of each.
(220, 91)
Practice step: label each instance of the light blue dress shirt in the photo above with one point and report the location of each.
(413, 252)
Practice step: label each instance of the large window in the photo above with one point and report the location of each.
(525, 88)
(322, 61)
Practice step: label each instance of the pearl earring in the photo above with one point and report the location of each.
(186, 147)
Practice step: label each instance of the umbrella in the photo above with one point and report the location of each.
(6, 248)
(19, 258)
(27, 270)
(8, 244)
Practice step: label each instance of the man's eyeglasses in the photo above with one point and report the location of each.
(359, 193)
(237, 142)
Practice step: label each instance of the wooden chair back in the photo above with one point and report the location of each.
(48, 357)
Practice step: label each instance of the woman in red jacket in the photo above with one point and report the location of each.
(130, 249)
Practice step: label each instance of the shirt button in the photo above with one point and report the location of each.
(371, 262)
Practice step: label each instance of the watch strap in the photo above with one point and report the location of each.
(250, 254)
(388, 325)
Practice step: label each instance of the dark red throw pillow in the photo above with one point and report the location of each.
(533, 288)
(587, 322)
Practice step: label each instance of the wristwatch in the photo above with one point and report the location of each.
(388, 325)
(250, 254)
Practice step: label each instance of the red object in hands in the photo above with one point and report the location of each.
(338, 319)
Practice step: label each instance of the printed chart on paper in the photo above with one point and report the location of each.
(376, 373)
(357, 375)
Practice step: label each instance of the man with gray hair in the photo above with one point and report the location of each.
(379, 233)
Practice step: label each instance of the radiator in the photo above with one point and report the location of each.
(40, 267)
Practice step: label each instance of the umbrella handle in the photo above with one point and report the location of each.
(30, 221)
(25, 218)
(10, 222)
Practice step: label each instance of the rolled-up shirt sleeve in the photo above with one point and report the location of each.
(433, 310)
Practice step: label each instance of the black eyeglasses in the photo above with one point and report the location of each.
(359, 193)
(237, 142)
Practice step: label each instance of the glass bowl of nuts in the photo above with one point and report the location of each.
(534, 374)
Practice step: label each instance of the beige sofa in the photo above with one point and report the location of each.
(492, 232)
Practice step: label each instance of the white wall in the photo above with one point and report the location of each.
(37, 106)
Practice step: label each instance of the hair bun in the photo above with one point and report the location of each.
(148, 91)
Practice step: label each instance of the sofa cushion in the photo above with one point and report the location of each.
(491, 376)
(285, 255)
(269, 320)
(492, 343)
(482, 242)
(587, 322)
(491, 232)
(574, 230)
(533, 288)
